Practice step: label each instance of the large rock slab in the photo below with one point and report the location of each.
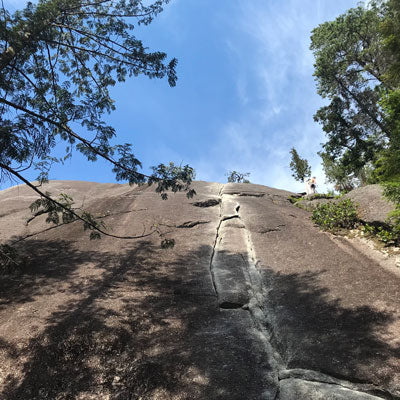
(372, 206)
(251, 293)
(328, 307)
(119, 319)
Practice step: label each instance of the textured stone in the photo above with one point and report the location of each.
(297, 389)
(372, 206)
(251, 288)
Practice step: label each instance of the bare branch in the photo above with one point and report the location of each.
(99, 53)
(69, 210)
(66, 129)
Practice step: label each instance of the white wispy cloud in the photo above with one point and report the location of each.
(276, 91)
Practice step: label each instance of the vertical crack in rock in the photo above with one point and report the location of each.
(227, 271)
(302, 377)
(216, 240)
(213, 255)
(238, 284)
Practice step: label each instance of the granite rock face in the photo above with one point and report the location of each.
(372, 206)
(253, 302)
(291, 389)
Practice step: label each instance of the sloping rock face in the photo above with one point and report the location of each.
(253, 302)
(372, 206)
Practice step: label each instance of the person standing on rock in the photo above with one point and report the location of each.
(311, 185)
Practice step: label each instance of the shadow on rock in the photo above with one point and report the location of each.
(313, 331)
(145, 327)
(127, 336)
(49, 265)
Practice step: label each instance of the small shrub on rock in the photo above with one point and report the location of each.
(387, 235)
(333, 216)
(317, 196)
(295, 199)
(392, 192)
(10, 260)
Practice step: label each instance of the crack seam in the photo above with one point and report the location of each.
(215, 241)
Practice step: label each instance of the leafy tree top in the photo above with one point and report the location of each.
(390, 28)
(299, 166)
(58, 61)
(238, 177)
(350, 68)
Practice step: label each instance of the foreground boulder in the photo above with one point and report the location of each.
(373, 207)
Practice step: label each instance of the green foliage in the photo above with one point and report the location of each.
(60, 59)
(349, 69)
(167, 243)
(335, 215)
(10, 260)
(316, 196)
(342, 214)
(61, 211)
(295, 199)
(56, 212)
(342, 175)
(358, 70)
(331, 193)
(386, 235)
(392, 192)
(299, 166)
(390, 29)
(387, 166)
(182, 177)
(237, 177)
(389, 237)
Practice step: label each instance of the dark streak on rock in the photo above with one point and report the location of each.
(207, 203)
(230, 305)
(246, 194)
(276, 229)
(191, 224)
(227, 217)
(252, 194)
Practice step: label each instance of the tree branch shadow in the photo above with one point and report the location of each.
(147, 326)
(313, 331)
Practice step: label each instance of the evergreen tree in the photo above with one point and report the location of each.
(299, 166)
(349, 68)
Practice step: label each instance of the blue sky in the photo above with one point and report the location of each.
(245, 93)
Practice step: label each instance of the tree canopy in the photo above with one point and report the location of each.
(357, 71)
(299, 166)
(238, 177)
(58, 61)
